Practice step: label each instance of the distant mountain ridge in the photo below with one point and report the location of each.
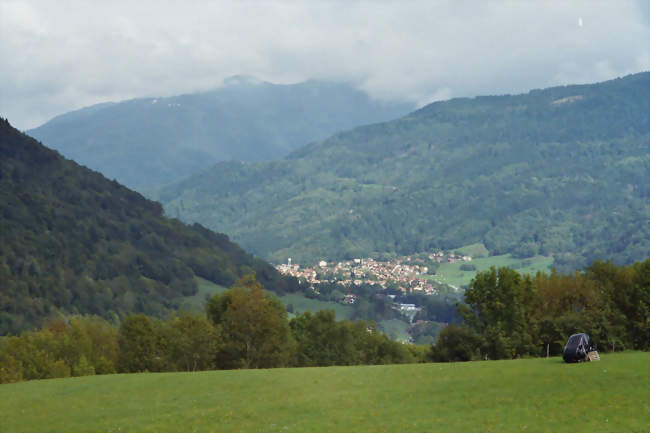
(562, 171)
(152, 141)
(72, 242)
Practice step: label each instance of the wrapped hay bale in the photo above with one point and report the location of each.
(592, 356)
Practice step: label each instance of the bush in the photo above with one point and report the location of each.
(11, 370)
(60, 369)
(456, 344)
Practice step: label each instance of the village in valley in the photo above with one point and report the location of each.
(410, 274)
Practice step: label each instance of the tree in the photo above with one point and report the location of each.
(138, 344)
(322, 340)
(217, 305)
(192, 342)
(11, 369)
(628, 290)
(83, 368)
(455, 343)
(497, 310)
(254, 327)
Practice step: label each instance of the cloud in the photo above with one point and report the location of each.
(61, 56)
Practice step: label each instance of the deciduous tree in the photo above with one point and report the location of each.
(138, 342)
(254, 327)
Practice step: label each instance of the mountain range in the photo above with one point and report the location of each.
(561, 171)
(152, 141)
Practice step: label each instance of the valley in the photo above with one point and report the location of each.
(403, 283)
(310, 217)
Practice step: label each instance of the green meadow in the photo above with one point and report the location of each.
(537, 395)
(302, 304)
(196, 302)
(476, 251)
(451, 273)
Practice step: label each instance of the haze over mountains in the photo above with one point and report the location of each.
(561, 171)
(151, 141)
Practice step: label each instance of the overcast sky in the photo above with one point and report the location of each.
(60, 55)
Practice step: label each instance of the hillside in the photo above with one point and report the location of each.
(538, 395)
(72, 241)
(152, 141)
(561, 171)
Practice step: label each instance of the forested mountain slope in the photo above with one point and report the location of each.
(73, 241)
(151, 141)
(561, 171)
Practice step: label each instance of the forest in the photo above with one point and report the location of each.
(74, 242)
(505, 315)
(559, 172)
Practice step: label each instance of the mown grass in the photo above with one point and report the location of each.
(451, 273)
(538, 395)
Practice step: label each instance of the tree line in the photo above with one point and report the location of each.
(243, 327)
(507, 315)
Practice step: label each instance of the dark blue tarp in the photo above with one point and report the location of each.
(577, 347)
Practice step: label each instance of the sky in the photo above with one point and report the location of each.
(58, 55)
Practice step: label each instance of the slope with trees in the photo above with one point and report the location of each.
(72, 241)
(561, 171)
(244, 327)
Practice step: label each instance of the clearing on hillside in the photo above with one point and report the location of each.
(451, 273)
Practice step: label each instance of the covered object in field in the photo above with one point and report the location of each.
(577, 348)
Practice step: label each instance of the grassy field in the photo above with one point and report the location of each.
(536, 395)
(301, 304)
(474, 250)
(451, 273)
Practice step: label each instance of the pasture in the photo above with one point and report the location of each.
(538, 395)
(451, 273)
(302, 304)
